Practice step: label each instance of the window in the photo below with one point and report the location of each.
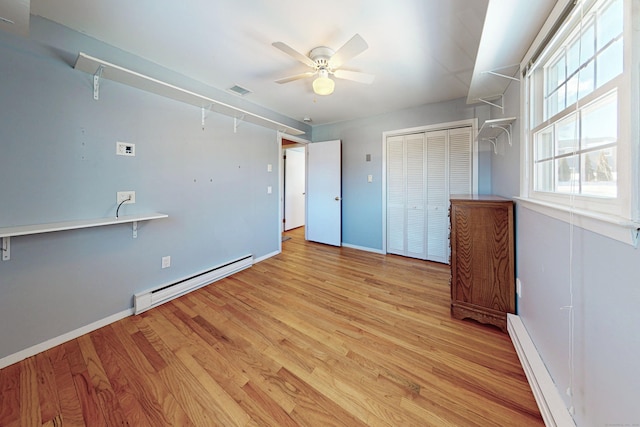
(579, 130)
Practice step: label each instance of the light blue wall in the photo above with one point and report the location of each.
(362, 201)
(58, 163)
(604, 280)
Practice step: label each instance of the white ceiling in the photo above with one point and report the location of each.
(421, 51)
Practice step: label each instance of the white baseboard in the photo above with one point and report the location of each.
(39, 348)
(552, 407)
(267, 256)
(363, 248)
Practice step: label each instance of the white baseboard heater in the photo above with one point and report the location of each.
(552, 408)
(154, 297)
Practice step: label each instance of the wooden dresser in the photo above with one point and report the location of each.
(482, 259)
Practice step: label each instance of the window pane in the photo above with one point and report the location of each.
(587, 49)
(555, 103)
(543, 176)
(567, 135)
(556, 74)
(567, 175)
(587, 79)
(609, 63)
(600, 122)
(543, 144)
(600, 173)
(610, 23)
(573, 56)
(572, 90)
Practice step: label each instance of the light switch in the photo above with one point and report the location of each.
(269, 189)
(369, 178)
(269, 168)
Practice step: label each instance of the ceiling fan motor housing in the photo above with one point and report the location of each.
(321, 56)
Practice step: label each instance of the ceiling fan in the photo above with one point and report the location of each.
(325, 62)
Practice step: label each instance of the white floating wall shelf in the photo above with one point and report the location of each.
(23, 230)
(103, 69)
(492, 129)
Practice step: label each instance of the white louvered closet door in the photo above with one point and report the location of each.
(437, 196)
(460, 161)
(396, 228)
(423, 170)
(416, 215)
(406, 196)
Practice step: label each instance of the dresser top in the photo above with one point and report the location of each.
(480, 197)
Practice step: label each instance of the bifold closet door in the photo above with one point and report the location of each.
(423, 170)
(437, 196)
(406, 213)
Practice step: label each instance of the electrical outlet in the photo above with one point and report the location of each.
(519, 288)
(166, 261)
(128, 197)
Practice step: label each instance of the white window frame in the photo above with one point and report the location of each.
(619, 220)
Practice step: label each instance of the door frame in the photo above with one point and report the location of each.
(427, 128)
(302, 142)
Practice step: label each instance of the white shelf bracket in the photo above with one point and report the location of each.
(492, 129)
(635, 236)
(493, 104)
(494, 142)
(96, 82)
(134, 226)
(507, 131)
(204, 113)
(6, 248)
(495, 72)
(237, 122)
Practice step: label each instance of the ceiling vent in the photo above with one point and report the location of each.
(239, 90)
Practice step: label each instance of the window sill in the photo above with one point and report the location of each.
(620, 229)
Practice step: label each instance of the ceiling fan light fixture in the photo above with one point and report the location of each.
(323, 85)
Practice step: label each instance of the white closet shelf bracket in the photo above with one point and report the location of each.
(495, 72)
(6, 248)
(489, 101)
(492, 129)
(204, 114)
(237, 121)
(96, 82)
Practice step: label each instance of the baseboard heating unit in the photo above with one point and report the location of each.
(152, 298)
(552, 408)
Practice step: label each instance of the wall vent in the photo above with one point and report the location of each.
(154, 297)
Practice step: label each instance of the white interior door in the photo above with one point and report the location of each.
(294, 188)
(324, 193)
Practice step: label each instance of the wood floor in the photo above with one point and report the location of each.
(316, 336)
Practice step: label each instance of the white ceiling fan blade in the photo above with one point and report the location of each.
(355, 76)
(296, 77)
(355, 46)
(294, 54)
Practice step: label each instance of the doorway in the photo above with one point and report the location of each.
(287, 145)
(322, 195)
(294, 187)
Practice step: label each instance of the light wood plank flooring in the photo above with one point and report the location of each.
(316, 336)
